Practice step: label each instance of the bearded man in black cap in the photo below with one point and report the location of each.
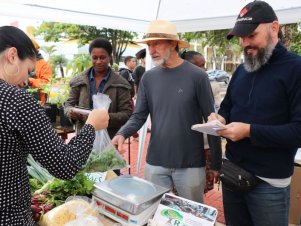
(262, 113)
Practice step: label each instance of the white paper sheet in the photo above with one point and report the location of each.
(209, 127)
(298, 156)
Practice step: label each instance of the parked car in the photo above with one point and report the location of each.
(218, 75)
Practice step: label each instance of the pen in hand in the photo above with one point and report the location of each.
(215, 116)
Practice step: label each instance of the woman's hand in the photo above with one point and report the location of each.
(99, 119)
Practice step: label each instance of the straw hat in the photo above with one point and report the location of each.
(163, 30)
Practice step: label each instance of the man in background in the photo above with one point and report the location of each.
(127, 72)
(195, 58)
(140, 69)
(198, 59)
(41, 74)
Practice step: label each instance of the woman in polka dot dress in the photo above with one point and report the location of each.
(25, 129)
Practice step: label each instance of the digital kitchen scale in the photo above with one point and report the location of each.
(123, 217)
(127, 199)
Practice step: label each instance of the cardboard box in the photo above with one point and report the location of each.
(295, 203)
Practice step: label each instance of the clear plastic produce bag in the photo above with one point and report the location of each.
(76, 210)
(104, 155)
(102, 139)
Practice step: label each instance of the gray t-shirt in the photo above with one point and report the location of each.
(176, 98)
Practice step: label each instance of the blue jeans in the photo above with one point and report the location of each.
(189, 182)
(264, 205)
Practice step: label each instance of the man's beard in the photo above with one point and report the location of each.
(251, 63)
(158, 62)
(163, 59)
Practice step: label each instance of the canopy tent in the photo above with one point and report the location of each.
(134, 15)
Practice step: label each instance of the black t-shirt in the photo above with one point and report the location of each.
(138, 73)
(127, 75)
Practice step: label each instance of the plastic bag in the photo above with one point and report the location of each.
(82, 217)
(104, 155)
(86, 220)
(76, 210)
(102, 139)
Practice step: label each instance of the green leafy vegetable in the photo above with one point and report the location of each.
(103, 162)
(34, 184)
(59, 190)
(37, 171)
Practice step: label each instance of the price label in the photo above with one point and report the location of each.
(97, 176)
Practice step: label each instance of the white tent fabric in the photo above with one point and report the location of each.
(134, 15)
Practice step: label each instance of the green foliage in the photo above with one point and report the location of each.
(79, 63)
(34, 184)
(101, 162)
(58, 61)
(115, 67)
(292, 37)
(296, 48)
(50, 50)
(59, 190)
(216, 39)
(57, 90)
(52, 31)
(37, 171)
(32, 90)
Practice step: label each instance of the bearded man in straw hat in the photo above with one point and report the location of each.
(263, 128)
(176, 94)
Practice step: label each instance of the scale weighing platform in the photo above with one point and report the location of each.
(128, 200)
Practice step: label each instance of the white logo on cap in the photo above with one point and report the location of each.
(245, 19)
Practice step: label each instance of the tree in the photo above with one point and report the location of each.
(291, 37)
(53, 31)
(79, 63)
(49, 50)
(58, 60)
(216, 39)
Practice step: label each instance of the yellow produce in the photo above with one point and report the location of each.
(67, 212)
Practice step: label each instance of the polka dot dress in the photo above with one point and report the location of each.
(25, 129)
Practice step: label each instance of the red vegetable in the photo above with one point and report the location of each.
(36, 208)
(36, 217)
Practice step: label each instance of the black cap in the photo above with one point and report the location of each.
(253, 14)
